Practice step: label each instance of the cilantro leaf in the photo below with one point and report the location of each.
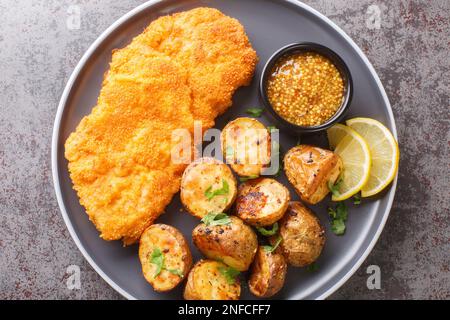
(341, 211)
(216, 219)
(255, 112)
(229, 273)
(157, 258)
(269, 232)
(338, 227)
(270, 248)
(312, 268)
(338, 218)
(209, 193)
(357, 199)
(176, 272)
(245, 179)
(334, 188)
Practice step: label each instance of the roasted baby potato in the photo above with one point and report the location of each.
(208, 281)
(234, 243)
(267, 274)
(303, 237)
(262, 202)
(309, 169)
(246, 146)
(207, 185)
(165, 256)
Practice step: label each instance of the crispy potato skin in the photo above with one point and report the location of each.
(262, 202)
(234, 244)
(268, 273)
(248, 143)
(197, 178)
(303, 235)
(177, 255)
(309, 169)
(206, 282)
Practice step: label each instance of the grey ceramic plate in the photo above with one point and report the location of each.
(270, 25)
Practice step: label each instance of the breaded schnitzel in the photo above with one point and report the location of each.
(182, 68)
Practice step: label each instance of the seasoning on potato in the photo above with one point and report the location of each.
(232, 242)
(267, 274)
(212, 280)
(207, 185)
(311, 170)
(246, 146)
(262, 202)
(303, 237)
(165, 256)
(305, 88)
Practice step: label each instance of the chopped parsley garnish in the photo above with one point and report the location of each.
(312, 267)
(338, 218)
(270, 248)
(255, 112)
(157, 258)
(229, 273)
(357, 199)
(209, 193)
(245, 179)
(334, 188)
(216, 219)
(269, 232)
(176, 272)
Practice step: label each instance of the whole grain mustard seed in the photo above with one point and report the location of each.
(306, 88)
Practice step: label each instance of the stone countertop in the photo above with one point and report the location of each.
(409, 47)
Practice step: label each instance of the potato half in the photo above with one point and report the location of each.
(207, 281)
(309, 169)
(246, 146)
(170, 251)
(267, 274)
(207, 185)
(262, 202)
(235, 244)
(303, 237)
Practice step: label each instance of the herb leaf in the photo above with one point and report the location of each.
(209, 193)
(270, 232)
(270, 248)
(255, 112)
(357, 199)
(157, 258)
(312, 267)
(216, 219)
(245, 179)
(229, 273)
(176, 272)
(334, 188)
(338, 218)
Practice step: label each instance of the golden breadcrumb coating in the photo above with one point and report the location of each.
(182, 68)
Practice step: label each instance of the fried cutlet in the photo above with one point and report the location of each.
(182, 68)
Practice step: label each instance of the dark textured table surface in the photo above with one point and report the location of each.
(408, 43)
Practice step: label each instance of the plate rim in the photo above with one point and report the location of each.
(93, 47)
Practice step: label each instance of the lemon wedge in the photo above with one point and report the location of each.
(335, 134)
(384, 151)
(355, 155)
